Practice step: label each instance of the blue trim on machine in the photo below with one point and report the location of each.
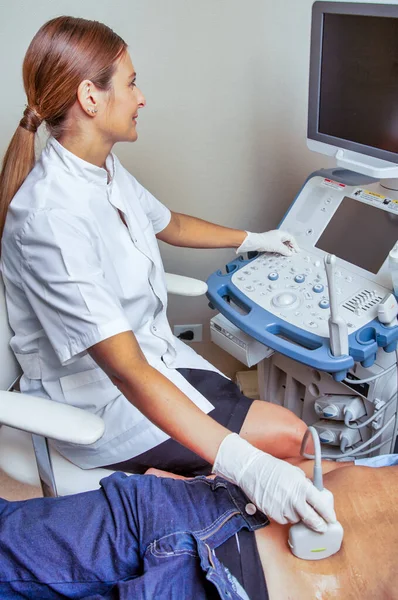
(290, 340)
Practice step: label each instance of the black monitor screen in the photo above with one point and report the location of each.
(359, 80)
(361, 234)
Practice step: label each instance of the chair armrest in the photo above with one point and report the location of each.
(185, 286)
(50, 419)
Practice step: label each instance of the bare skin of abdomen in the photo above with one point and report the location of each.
(366, 566)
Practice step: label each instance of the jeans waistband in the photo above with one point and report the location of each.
(242, 513)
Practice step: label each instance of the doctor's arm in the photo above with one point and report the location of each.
(277, 488)
(191, 232)
(156, 397)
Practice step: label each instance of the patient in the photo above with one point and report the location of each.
(366, 566)
(157, 537)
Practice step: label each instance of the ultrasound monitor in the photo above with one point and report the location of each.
(353, 92)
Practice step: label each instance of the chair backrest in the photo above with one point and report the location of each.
(9, 367)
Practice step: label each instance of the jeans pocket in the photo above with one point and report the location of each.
(174, 544)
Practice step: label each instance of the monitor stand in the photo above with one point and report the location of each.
(391, 187)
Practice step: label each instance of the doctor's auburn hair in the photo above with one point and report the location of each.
(64, 52)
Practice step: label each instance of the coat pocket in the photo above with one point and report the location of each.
(90, 390)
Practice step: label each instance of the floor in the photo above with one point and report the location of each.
(13, 490)
(223, 361)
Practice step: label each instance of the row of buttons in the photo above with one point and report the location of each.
(234, 339)
(300, 278)
(284, 261)
(317, 288)
(295, 289)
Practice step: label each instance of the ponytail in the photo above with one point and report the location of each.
(17, 164)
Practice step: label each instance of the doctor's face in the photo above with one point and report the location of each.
(125, 100)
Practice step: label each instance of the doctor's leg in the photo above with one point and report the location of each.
(273, 429)
(270, 427)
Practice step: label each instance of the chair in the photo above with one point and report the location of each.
(29, 423)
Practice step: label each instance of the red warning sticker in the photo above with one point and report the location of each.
(333, 184)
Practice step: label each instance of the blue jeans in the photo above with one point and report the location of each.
(137, 537)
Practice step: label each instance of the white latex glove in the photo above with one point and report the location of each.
(278, 489)
(270, 241)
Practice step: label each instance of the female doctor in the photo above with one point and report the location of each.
(86, 293)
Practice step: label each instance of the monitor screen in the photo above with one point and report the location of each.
(351, 234)
(353, 98)
(359, 80)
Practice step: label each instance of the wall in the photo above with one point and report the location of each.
(223, 136)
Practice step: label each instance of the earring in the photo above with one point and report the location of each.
(92, 110)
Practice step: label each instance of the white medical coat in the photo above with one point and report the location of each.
(75, 275)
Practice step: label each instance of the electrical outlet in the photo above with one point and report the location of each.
(189, 333)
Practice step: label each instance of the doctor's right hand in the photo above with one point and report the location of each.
(276, 240)
(278, 489)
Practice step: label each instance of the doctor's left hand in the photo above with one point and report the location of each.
(280, 490)
(276, 240)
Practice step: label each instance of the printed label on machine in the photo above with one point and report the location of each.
(368, 195)
(374, 198)
(333, 184)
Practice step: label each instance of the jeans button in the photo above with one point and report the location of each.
(250, 508)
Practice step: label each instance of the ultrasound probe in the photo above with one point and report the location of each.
(304, 542)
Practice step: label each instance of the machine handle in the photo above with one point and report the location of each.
(293, 341)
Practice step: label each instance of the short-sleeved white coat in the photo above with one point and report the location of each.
(75, 275)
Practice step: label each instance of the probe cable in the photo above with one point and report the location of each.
(359, 381)
(348, 414)
(317, 477)
(354, 451)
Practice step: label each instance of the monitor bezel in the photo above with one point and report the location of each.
(319, 9)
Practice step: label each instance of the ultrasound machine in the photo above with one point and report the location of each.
(322, 323)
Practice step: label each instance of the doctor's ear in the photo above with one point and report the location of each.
(87, 95)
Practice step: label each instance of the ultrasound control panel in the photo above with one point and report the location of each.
(295, 289)
(283, 302)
